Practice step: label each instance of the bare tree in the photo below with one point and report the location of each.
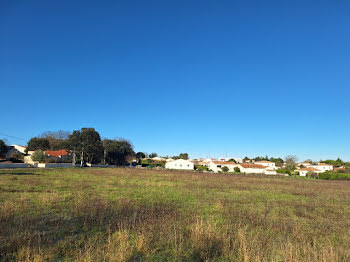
(290, 160)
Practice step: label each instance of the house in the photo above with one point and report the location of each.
(270, 171)
(180, 164)
(266, 163)
(304, 171)
(57, 153)
(252, 168)
(217, 166)
(323, 167)
(304, 164)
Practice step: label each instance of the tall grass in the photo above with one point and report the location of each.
(146, 215)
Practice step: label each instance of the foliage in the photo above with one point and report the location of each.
(118, 152)
(87, 144)
(237, 169)
(233, 160)
(201, 168)
(3, 147)
(290, 161)
(139, 156)
(225, 169)
(152, 163)
(153, 155)
(16, 158)
(39, 156)
(331, 175)
(335, 163)
(183, 156)
(37, 143)
(278, 161)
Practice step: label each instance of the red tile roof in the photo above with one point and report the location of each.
(57, 153)
(308, 169)
(224, 163)
(252, 166)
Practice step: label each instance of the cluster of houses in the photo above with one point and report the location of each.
(55, 156)
(210, 164)
(249, 167)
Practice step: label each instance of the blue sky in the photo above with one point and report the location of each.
(211, 78)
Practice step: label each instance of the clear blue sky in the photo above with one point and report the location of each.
(203, 77)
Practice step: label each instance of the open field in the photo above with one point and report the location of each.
(149, 215)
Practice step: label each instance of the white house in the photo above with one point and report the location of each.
(323, 167)
(270, 171)
(266, 163)
(304, 171)
(252, 168)
(180, 164)
(217, 166)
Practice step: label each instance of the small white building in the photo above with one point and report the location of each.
(180, 164)
(270, 171)
(323, 167)
(304, 171)
(266, 163)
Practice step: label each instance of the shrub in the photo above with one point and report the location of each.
(39, 156)
(201, 168)
(334, 176)
(16, 158)
(225, 169)
(237, 169)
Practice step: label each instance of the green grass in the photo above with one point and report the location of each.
(149, 215)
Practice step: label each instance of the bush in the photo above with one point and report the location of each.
(16, 158)
(201, 168)
(237, 170)
(334, 176)
(225, 169)
(39, 156)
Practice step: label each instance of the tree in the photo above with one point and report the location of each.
(3, 147)
(118, 152)
(37, 143)
(153, 155)
(246, 159)
(225, 169)
(92, 144)
(60, 134)
(233, 160)
(290, 161)
(237, 169)
(139, 156)
(39, 156)
(183, 156)
(278, 161)
(87, 144)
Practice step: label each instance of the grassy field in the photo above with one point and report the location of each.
(150, 215)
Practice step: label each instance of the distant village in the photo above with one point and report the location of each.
(18, 156)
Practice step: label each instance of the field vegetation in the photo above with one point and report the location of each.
(156, 215)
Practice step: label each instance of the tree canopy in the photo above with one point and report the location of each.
(118, 152)
(37, 143)
(3, 147)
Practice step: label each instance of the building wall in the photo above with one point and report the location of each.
(180, 164)
(19, 165)
(252, 170)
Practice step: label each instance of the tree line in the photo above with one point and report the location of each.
(86, 146)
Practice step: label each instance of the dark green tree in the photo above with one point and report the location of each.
(139, 156)
(118, 152)
(3, 148)
(87, 144)
(225, 169)
(153, 155)
(37, 143)
(183, 156)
